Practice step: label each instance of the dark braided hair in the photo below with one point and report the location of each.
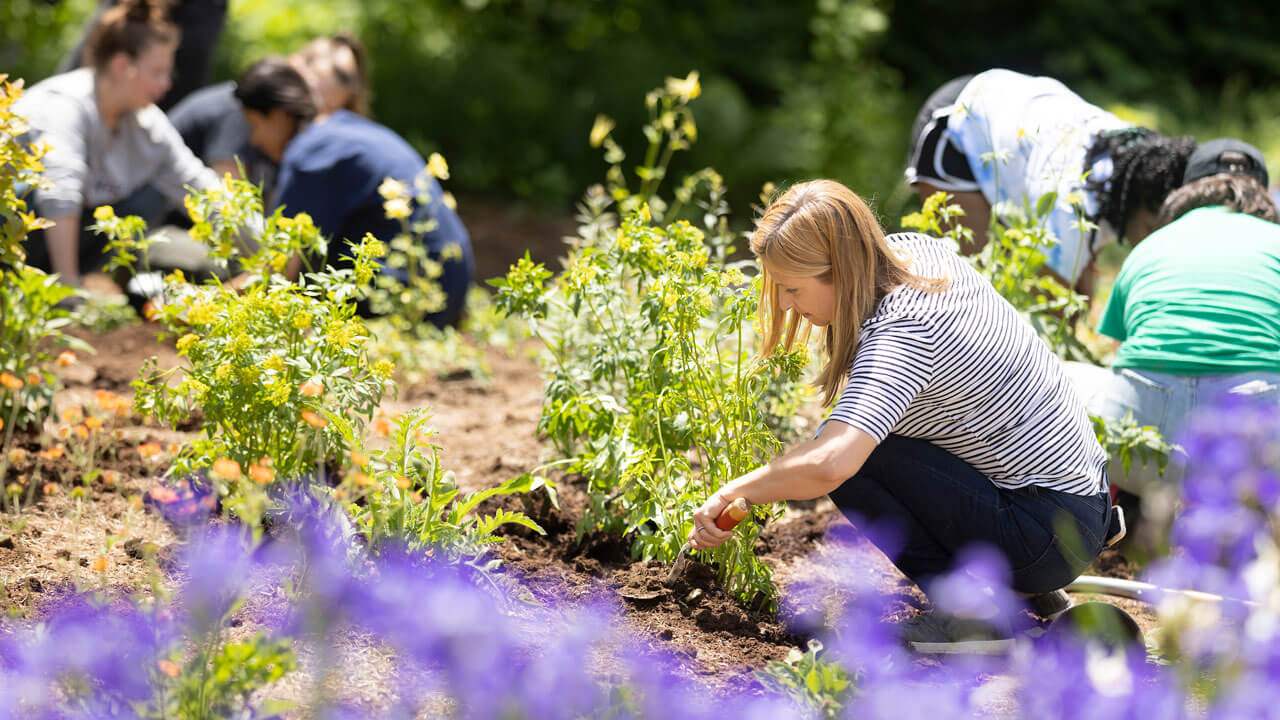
(1147, 166)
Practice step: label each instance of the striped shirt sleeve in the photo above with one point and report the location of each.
(893, 364)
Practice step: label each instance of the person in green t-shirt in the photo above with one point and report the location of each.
(1196, 305)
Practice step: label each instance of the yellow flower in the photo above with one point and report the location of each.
(686, 89)
(302, 320)
(600, 129)
(449, 201)
(438, 167)
(202, 313)
(397, 208)
(384, 369)
(186, 341)
(392, 189)
(103, 213)
(278, 392)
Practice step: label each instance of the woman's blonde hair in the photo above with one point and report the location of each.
(822, 229)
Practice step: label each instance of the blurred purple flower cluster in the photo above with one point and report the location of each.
(454, 636)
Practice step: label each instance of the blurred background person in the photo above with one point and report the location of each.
(1196, 307)
(331, 167)
(213, 125)
(1004, 137)
(110, 144)
(199, 24)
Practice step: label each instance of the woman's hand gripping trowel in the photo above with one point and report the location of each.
(729, 518)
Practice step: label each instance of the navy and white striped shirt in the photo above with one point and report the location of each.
(963, 370)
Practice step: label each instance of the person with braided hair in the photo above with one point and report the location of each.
(1194, 324)
(109, 143)
(1002, 137)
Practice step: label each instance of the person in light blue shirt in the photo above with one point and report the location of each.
(1003, 138)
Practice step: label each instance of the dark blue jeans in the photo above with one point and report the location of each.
(937, 504)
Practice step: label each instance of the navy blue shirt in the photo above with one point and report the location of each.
(331, 171)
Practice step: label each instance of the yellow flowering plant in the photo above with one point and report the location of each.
(409, 293)
(31, 317)
(654, 393)
(279, 370)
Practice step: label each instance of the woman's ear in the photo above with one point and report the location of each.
(120, 65)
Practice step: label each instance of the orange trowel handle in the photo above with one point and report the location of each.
(733, 514)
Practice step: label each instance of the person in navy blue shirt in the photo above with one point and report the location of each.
(331, 166)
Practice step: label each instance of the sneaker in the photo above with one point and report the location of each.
(1051, 604)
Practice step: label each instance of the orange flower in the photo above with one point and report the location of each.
(110, 401)
(149, 450)
(338, 493)
(100, 564)
(66, 358)
(110, 477)
(52, 453)
(81, 431)
(93, 422)
(261, 475)
(64, 433)
(163, 494)
(363, 480)
(168, 667)
(72, 415)
(382, 426)
(50, 488)
(403, 482)
(33, 379)
(1, 423)
(9, 381)
(226, 468)
(311, 388)
(313, 419)
(359, 459)
(416, 497)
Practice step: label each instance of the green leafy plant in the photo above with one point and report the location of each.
(410, 292)
(31, 315)
(815, 682)
(279, 371)
(407, 497)
(653, 393)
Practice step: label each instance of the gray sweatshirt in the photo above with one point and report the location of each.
(90, 166)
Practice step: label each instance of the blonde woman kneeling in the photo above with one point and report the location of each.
(954, 424)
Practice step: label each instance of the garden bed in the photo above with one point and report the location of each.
(487, 431)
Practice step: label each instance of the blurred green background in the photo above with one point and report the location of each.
(507, 89)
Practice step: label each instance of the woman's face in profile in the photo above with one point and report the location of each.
(330, 71)
(812, 298)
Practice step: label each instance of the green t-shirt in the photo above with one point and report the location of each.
(1200, 296)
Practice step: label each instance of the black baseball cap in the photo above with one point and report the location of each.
(1226, 155)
